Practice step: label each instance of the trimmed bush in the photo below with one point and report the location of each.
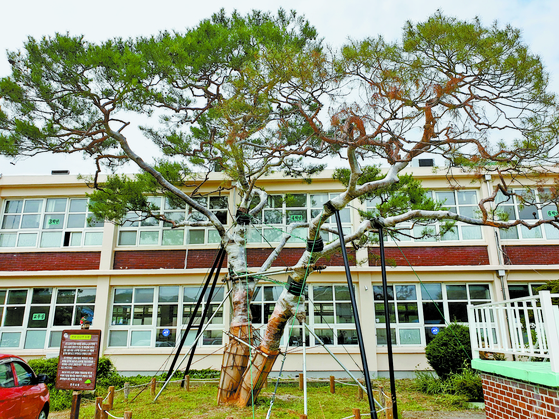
(450, 351)
(46, 367)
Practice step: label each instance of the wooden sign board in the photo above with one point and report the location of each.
(77, 362)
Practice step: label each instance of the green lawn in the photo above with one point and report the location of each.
(200, 402)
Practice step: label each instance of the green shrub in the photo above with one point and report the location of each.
(46, 367)
(467, 384)
(60, 399)
(427, 383)
(450, 351)
(107, 374)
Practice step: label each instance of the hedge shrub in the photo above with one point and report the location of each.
(450, 351)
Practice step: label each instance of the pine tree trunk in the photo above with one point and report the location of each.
(264, 358)
(235, 360)
(236, 355)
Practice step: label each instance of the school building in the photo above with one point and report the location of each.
(140, 281)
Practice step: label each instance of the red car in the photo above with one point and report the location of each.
(23, 395)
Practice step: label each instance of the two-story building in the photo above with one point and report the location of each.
(141, 280)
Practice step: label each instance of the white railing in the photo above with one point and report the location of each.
(524, 327)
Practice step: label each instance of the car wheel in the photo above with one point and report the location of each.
(43, 414)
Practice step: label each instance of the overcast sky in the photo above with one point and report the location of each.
(336, 22)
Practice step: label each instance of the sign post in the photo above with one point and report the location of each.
(77, 363)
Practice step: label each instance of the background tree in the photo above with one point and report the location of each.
(256, 94)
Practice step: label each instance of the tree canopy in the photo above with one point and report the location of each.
(251, 95)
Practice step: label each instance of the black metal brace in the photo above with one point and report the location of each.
(316, 245)
(295, 288)
(328, 205)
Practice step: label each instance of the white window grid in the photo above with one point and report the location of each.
(285, 209)
(137, 231)
(162, 329)
(43, 322)
(332, 327)
(418, 328)
(539, 211)
(49, 223)
(463, 202)
(261, 308)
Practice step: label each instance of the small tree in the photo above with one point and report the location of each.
(249, 96)
(450, 351)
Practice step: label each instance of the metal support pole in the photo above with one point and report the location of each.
(304, 368)
(355, 313)
(205, 312)
(196, 307)
(387, 317)
(169, 376)
(353, 377)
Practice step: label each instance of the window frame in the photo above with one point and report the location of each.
(155, 328)
(209, 234)
(546, 231)
(259, 231)
(396, 326)
(458, 227)
(52, 332)
(70, 236)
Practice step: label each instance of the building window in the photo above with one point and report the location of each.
(49, 223)
(404, 315)
(153, 316)
(419, 311)
(34, 318)
(329, 314)
(282, 210)
(463, 202)
(141, 231)
(332, 315)
(535, 208)
(523, 290)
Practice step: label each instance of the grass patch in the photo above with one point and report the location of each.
(200, 402)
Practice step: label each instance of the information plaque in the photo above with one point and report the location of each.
(77, 362)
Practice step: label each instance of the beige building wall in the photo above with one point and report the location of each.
(496, 271)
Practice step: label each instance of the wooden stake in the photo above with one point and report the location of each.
(332, 385)
(301, 381)
(389, 412)
(357, 413)
(111, 397)
(187, 383)
(126, 391)
(381, 395)
(76, 400)
(104, 414)
(128, 415)
(302, 416)
(359, 393)
(153, 384)
(98, 406)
